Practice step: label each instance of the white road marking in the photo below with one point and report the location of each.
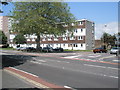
(41, 60)
(113, 68)
(67, 87)
(70, 56)
(100, 66)
(38, 59)
(58, 61)
(94, 65)
(107, 57)
(95, 56)
(24, 71)
(91, 59)
(35, 62)
(116, 60)
(113, 76)
(67, 62)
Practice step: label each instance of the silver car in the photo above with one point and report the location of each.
(114, 50)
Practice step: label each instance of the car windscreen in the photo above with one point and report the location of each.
(115, 48)
(98, 48)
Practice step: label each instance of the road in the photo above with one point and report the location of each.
(76, 70)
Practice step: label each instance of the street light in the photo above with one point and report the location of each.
(105, 25)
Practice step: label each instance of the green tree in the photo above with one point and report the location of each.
(3, 38)
(108, 39)
(41, 18)
(19, 39)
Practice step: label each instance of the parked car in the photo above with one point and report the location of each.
(4, 45)
(114, 50)
(59, 49)
(100, 50)
(47, 49)
(21, 48)
(30, 49)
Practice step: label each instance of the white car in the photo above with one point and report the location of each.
(114, 50)
(21, 48)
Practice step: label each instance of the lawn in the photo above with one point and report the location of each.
(7, 48)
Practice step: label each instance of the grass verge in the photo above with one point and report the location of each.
(79, 50)
(9, 48)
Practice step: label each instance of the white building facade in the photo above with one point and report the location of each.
(83, 37)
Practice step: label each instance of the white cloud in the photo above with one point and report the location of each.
(111, 28)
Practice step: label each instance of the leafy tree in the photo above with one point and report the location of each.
(108, 39)
(19, 39)
(3, 38)
(41, 18)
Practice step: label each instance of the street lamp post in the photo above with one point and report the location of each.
(104, 46)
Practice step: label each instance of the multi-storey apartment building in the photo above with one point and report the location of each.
(82, 37)
(117, 42)
(4, 26)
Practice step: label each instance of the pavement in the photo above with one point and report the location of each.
(12, 81)
(65, 70)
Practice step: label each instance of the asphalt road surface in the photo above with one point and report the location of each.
(76, 70)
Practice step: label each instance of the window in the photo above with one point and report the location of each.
(69, 45)
(64, 38)
(80, 23)
(81, 45)
(80, 38)
(72, 38)
(75, 45)
(75, 30)
(81, 30)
